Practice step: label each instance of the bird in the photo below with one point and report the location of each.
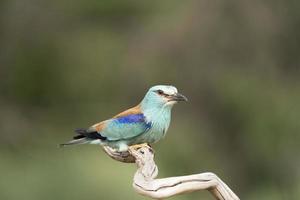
(145, 123)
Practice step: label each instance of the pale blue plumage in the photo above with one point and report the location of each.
(125, 127)
(146, 123)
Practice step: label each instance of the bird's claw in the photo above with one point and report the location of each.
(136, 147)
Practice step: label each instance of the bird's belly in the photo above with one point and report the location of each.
(152, 136)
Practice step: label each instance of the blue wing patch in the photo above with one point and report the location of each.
(131, 118)
(126, 127)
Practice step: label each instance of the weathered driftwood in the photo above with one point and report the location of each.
(144, 181)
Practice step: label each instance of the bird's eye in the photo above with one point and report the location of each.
(160, 92)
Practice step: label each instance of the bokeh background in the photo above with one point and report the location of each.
(69, 64)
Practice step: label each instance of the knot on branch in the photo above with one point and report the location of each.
(125, 157)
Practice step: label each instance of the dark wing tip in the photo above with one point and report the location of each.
(85, 133)
(78, 137)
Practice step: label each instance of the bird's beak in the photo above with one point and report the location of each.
(178, 97)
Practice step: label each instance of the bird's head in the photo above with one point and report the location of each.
(163, 95)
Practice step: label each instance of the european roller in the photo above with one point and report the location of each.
(147, 122)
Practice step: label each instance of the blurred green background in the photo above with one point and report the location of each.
(69, 64)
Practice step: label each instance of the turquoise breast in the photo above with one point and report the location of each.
(160, 121)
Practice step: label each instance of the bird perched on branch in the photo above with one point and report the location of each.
(147, 122)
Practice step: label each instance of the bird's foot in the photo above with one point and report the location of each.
(136, 147)
(142, 153)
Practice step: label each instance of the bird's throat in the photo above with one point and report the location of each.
(159, 118)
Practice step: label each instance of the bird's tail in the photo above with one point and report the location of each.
(78, 139)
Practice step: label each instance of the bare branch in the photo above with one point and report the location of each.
(144, 181)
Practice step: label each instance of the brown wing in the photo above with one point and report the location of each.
(99, 126)
(130, 111)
